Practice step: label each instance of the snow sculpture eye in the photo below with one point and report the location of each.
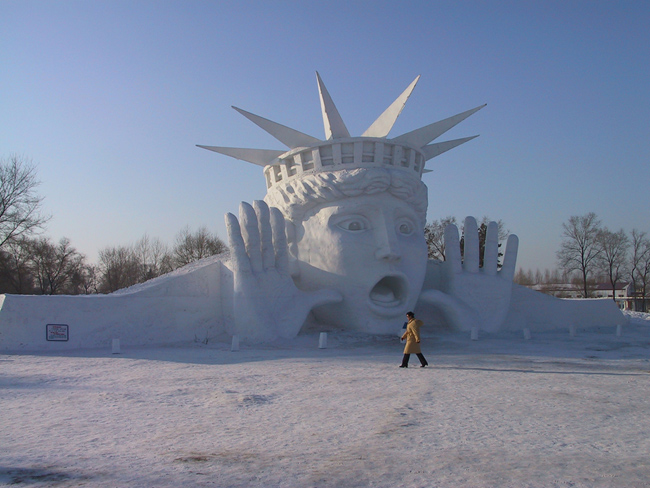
(353, 224)
(405, 227)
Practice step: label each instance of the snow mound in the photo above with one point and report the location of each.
(637, 318)
(183, 271)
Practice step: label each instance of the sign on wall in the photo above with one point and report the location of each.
(56, 332)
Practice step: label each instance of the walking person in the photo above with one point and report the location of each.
(412, 336)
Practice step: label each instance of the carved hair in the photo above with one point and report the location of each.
(297, 197)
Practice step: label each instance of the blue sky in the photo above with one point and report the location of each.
(109, 99)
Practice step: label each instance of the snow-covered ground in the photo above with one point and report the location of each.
(553, 411)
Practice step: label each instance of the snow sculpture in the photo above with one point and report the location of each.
(353, 210)
(338, 242)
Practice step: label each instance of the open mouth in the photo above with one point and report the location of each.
(389, 292)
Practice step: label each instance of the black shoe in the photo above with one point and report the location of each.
(424, 365)
(402, 366)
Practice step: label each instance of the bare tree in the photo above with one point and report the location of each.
(190, 247)
(16, 274)
(639, 245)
(119, 268)
(154, 258)
(434, 234)
(54, 265)
(614, 247)
(640, 268)
(86, 280)
(19, 204)
(125, 266)
(644, 275)
(580, 249)
(525, 278)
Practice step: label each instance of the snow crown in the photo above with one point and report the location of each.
(308, 155)
(348, 153)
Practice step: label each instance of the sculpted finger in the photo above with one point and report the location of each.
(236, 243)
(266, 237)
(491, 256)
(452, 248)
(280, 241)
(251, 235)
(471, 254)
(510, 258)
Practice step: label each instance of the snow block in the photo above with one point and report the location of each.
(322, 340)
(172, 308)
(539, 312)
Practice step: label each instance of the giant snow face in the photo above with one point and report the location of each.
(371, 248)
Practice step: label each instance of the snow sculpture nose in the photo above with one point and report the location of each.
(387, 254)
(387, 246)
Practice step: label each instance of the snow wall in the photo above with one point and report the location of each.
(538, 312)
(194, 303)
(183, 306)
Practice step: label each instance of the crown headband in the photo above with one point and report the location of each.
(352, 153)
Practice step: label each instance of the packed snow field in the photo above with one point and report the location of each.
(552, 411)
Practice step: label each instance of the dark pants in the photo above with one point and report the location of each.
(405, 360)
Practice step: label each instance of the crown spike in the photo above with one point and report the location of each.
(286, 135)
(433, 150)
(384, 123)
(260, 157)
(421, 137)
(334, 126)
